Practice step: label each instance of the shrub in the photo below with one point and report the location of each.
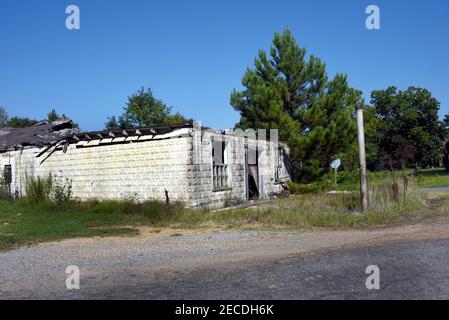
(38, 189)
(4, 195)
(61, 191)
(48, 189)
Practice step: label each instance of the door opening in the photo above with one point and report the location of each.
(252, 172)
(7, 179)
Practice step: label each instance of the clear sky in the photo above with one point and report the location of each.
(193, 53)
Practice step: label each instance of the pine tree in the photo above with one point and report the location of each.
(112, 124)
(288, 92)
(52, 115)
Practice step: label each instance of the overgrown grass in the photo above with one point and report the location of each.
(333, 211)
(38, 189)
(22, 223)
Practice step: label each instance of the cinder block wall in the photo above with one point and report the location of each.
(144, 170)
(200, 175)
(141, 170)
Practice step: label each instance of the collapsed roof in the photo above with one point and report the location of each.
(61, 133)
(127, 135)
(41, 134)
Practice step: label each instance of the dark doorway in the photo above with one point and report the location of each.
(7, 179)
(252, 170)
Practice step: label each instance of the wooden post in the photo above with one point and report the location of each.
(361, 137)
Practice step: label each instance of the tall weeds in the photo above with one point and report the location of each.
(50, 188)
(38, 189)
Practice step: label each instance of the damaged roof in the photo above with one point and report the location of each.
(126, 133)
(51, 134)
(61, 132)
(41, 134)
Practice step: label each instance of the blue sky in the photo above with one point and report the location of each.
(193, 53)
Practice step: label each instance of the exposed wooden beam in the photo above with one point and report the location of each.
(48, 156)
(138, 132)
(112, 134)
(66, 146)
(46, 149)
(99, 135)
(125, 133)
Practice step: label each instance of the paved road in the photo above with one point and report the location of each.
(412, 270)
(413, 262)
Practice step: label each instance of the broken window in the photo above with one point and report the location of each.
(279, 160)
(220, 165)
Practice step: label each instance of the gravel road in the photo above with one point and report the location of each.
(216, 264)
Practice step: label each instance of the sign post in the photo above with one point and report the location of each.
(335, 165)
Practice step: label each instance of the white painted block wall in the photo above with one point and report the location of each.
(141, 170)
(144, 170)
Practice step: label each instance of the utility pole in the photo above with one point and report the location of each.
(362, 157)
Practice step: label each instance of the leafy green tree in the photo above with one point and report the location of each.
(445, 147)
(446, 156)
(409, 130)
(144, 110)
(446, 122)
(288, 92)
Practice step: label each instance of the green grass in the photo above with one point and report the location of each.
(22, 223)
(311, 211)
(433, 178)
(349, 181)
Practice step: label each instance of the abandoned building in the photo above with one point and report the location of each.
(189, 163)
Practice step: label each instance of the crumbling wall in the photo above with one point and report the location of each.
(181, 165)
(200, 174)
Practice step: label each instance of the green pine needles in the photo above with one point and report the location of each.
(292, 93)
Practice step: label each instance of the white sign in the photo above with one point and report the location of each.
(335, 164)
